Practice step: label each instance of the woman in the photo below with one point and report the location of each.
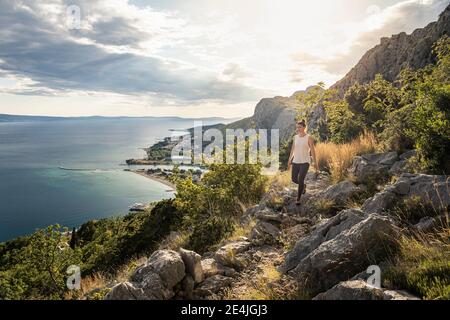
(302, 148)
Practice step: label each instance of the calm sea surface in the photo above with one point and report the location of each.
(35, 192)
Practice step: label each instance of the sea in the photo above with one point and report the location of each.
(69, 171)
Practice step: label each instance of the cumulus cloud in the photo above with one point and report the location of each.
(108, 54)
(402, 17)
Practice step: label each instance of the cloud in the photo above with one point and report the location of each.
(107, 55)
(404, 16)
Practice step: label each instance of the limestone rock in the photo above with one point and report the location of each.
(360, 290)
(265, 233)
(372, 166)
(211, 268)
(193, 264)
(344, 255)
(212, 285)
(126, 291)
(228, 254)
(341, 192)
(322, 233)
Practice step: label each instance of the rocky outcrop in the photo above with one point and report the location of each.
(360, 290)
(395, 53)
(193, 264)
(341, 256)
(322, 233)
(152, 281)
(265, 233)
(168, 274)
(211, 268)
(431, 189)
(229, 255)
(372, 166)
(212, 285)
(272, 113)
(341, 193)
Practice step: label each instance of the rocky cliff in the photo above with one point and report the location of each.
(272, 113)
(397, 52)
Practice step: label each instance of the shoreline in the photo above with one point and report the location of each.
(154, 177)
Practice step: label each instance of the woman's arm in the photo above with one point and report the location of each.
(291, 156)
(313, 152)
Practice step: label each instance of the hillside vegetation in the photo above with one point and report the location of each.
(410, 113)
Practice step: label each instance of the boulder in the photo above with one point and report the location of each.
(126, 291)
(432, 188)
(372, 166)
(192, 264)
(265, 233)
(344, 255)
(211, 268)
(155, 279)
(269, 216)
(352, 290)
(228, 254)
(408, 155)
(167, 264)
(341, 192)
(322, 233)
(187, 286)
(360, 290)
(398, 167)
(212, 285)
(379, 203)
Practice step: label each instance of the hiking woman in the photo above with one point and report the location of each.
(300, 158)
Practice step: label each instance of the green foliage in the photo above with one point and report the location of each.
(431, 126)
(35, 267)
(209, 232)
(412, 112)
(344, 126)
(109, 243)
(217, 199)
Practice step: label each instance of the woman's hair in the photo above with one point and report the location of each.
(302, 123)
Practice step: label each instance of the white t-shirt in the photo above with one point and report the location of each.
(301, 149)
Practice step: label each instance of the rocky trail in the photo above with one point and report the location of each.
(319, 250)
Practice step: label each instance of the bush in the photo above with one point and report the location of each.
(36, 269)
(210, 206)
(209, 232)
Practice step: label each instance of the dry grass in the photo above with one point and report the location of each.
(241, 230)
(175, 241)
(281, 180)
(337, 158)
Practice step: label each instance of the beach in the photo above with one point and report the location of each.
(154, 177)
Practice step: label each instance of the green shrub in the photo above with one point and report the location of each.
(209, 232)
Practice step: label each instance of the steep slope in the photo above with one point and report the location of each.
(397, 52)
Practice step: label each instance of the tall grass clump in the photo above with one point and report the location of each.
(337, 158)
(422, 265)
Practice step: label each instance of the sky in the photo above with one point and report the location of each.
(188, 58)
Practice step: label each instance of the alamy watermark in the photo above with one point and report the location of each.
(239, 146)
(74, 280)
(374, 280)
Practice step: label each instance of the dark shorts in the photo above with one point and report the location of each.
(299, 171)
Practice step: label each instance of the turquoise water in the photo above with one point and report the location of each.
(35, 192)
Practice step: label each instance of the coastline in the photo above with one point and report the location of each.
(154, 177)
